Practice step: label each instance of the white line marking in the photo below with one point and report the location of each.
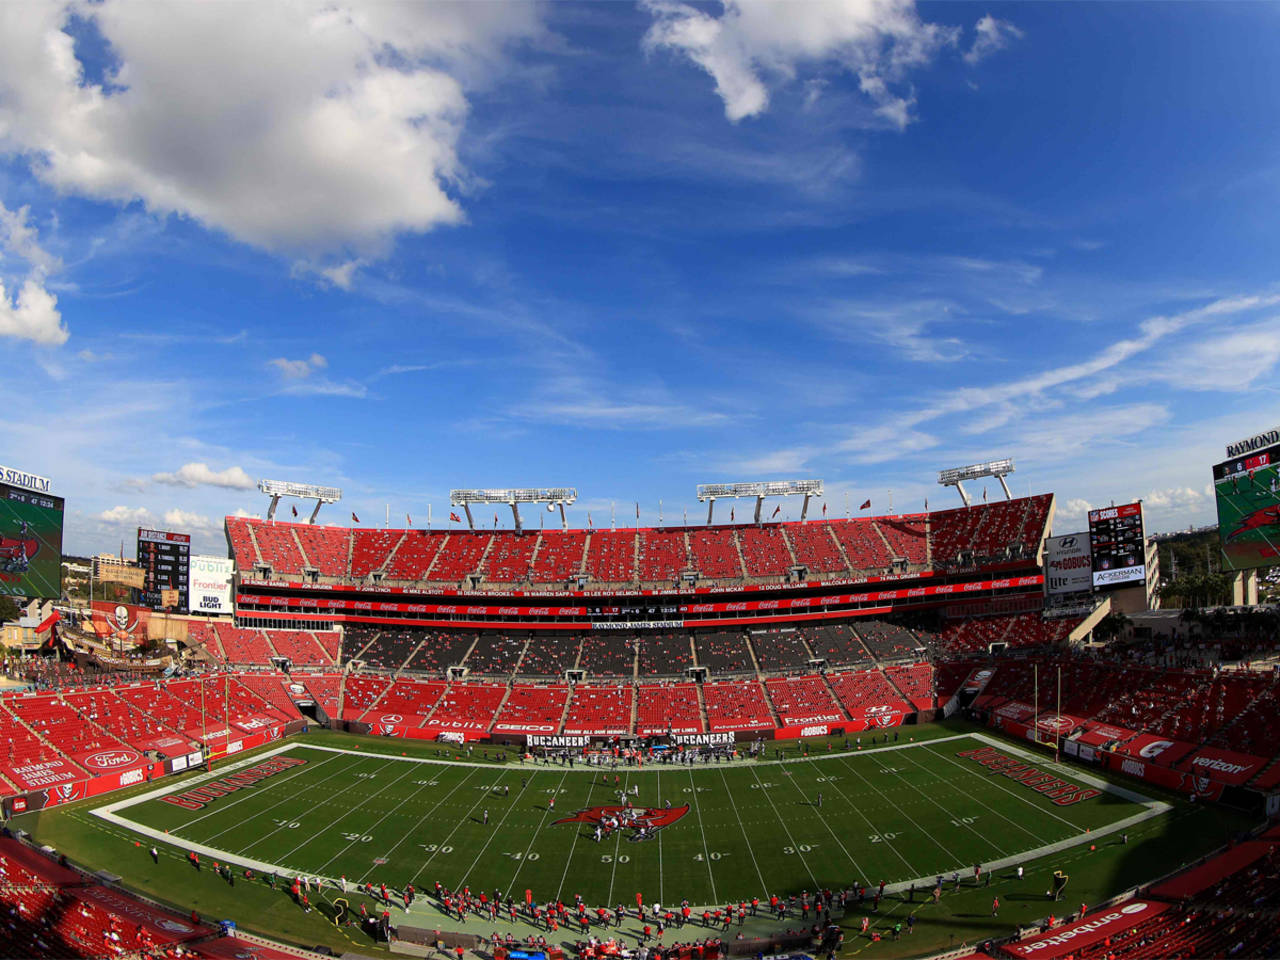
(750, 847)
(706, 851)
(794, 845)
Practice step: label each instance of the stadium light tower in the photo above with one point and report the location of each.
(710, 492)
(276, 489)
(552, 496)
(956, 476)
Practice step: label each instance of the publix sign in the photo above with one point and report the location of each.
(210, 585)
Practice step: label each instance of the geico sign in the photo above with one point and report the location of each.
(111, 759)
(525, 727)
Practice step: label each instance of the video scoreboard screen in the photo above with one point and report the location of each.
(1118, 545)
(1247, 489)
(30, 543)
(165, 559)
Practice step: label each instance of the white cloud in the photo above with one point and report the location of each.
(184, 521)
(303, 128)
(1074, 508)
(1174, 498)
(299, 369)
(126, 516)
(990, 35)
(756, 44)
(201, 474)
(32, 314)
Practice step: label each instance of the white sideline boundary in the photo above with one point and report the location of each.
(1152, 808)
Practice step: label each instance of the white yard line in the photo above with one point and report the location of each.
(367, 831)
(331, 824)
(706, 851)
(409, 833)
(783, 824)
(617, 846)
(960, 821)
(857, 808)
(834, 835)
(492, 833)
(750, 847)
(238, 824)
(661, 898)
(533, 836)
(573, 844)
(461, 820)
(902, 810)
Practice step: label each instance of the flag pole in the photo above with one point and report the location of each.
(428, 516)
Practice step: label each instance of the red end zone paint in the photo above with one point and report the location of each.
(207, 793)
(1059, 791)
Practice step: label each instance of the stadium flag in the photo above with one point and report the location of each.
(731, 514)
(454, 518)
(354, 518)
(866, 504)
(984, 494)
(588, 518)
(776, 510)
(495, 519)
(408, 519)
(637, 509)
(926, 504)
(824, 508)
(295, 510)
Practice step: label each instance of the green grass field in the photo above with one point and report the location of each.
(913, 794)
(752, 828)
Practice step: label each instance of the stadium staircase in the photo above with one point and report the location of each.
(826, 682)
(267, 634)
(306, 561)
(702, 708)
(440, 552)
(773, 711)
(53, 751)
(506, 695)
(568, 704)
(889, 676)
(751, 652)
(351, 546)
(844, 554)
(888, 547)
(742, 561)
(372, 640)
(257, 547)
(484, 556)
(515, 667)
(342, 695)
(386, 563)
(786, 542)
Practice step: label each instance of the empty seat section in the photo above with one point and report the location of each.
(324, 689)
(408, 699)
(663, 707)
(459, 556)
(531, 707)
(661, 556)
(326, 548)
(781, 649)
(611, 556)
(279, 548)
(803, 700)
(271, 688)
(815, 548)
(298, 645)
(664, 654)
(559, 556)
(723, 651)
(510, 557)
(862, 544)
(203, 635)
(915, 680)
(414, 556)
(887, 641)
(440, 650)
(715, 554)
(23, 754)
(836, 643)
(125, 721)
(764, 552)
(736, 705)
(242, 549)
(866, 688)
(495, 653)
(549, 654)
(362, 690)
(388, 649)
(907, 538)
(243, 645)
(604, 711)
(181, 713)
(370, 550)
(468, 705)
(608, 654)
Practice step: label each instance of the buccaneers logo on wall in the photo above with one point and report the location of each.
(640, 823)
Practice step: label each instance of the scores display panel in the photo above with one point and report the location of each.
(165, 559)
(1118, 545)
(1247, 490)
(30, 543)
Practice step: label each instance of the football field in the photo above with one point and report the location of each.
(715, 832)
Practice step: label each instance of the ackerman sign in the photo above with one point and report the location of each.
(20, 478)
(1257, 442)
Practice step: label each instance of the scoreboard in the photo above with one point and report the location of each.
(165, 559)
(1118, 544)
(1247, 490)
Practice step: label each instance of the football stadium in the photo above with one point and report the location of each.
(660, 480)
(883, 735)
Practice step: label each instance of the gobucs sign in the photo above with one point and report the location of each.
(651, 819)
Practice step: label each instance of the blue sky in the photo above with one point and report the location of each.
(632, 248)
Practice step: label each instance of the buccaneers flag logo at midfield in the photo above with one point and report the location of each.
(651, 819)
